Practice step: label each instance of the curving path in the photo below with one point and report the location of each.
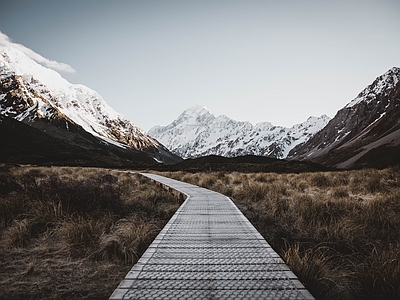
(209, 250)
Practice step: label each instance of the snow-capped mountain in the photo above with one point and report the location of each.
(31, 93)
(366, 132)
(197, 132)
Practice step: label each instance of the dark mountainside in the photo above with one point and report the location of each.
(24, 144)
(247, 163)
(365, 133)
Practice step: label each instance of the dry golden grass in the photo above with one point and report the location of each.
(74, 233)
(339, 231)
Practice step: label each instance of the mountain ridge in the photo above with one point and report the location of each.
(367, 123)
(197, 132)
(360, 134)
(31, 93)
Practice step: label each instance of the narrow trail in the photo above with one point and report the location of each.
(209, 250)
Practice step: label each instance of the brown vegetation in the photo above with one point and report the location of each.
(338, 231)
(74, 233)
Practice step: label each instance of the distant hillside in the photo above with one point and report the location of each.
(24, 144)
(365, 133)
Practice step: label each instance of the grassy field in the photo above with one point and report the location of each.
(74, 233)
(338, 231)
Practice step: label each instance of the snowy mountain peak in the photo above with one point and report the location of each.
(382, 85)
(31, 92)
(313, 119)
(196, 110)
(197, 132)
(194, 115)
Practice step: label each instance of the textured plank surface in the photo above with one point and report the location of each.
(209, 250)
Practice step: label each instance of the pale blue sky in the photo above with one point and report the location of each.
(276, 61)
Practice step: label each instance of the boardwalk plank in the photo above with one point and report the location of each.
(209, 250)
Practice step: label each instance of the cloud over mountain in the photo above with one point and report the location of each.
(57, 66)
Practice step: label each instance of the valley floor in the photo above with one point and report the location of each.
(73, 233)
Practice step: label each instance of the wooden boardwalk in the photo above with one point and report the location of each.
(209, 250)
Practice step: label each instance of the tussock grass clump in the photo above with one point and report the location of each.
(382, 217)
(126, 240)
(321, 270)
(10, 206)
(320, 180)
(338, 231)
(380, 273)
(340, 179)
(340, 192)
(77, 230)
(301, 185)
(17, 234)
(80, 235)
(254, 192)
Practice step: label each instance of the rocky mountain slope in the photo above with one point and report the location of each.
(365, 133)
(24, 144)
(41, 98)
(197, 132)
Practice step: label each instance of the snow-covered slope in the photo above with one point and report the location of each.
(30, 92)
(197, 132)
(382, 85)
(362, 133)
(44, 90)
